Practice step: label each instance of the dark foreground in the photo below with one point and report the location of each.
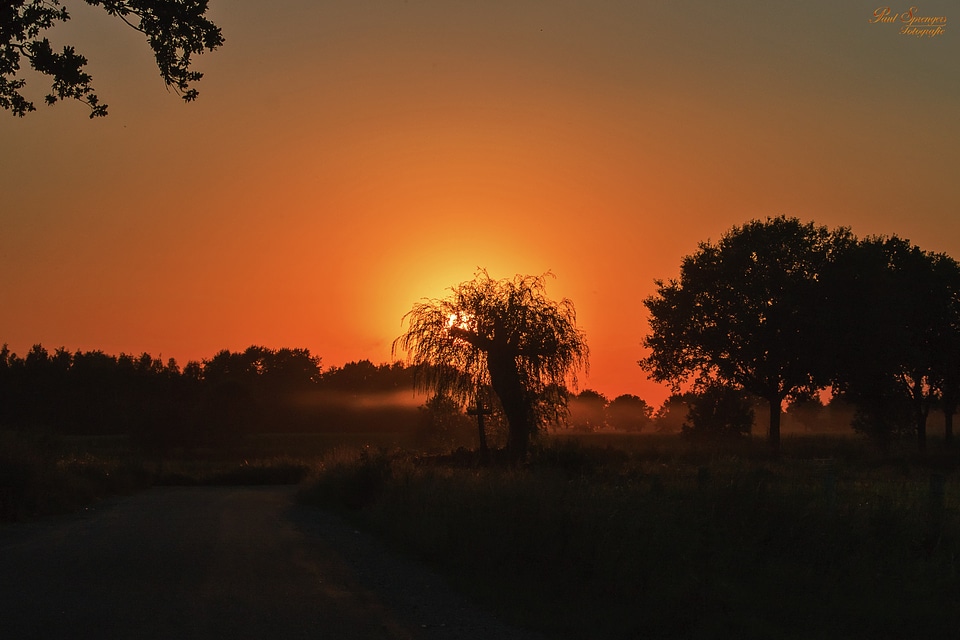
(219, 562)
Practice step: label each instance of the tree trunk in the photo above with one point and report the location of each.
(922, 431)
(776, 403)
(948, 411)
(949, 403)
(506, 382)
(481, 427)
(920, 410)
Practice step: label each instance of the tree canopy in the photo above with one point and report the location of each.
(175, 30)
(505, 335)
(895, 312)
(628, 412)
(745, 312)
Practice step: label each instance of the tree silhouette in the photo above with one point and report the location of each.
(628, 412)
(946, 366)
(503, 333)
(588, 411)
(719, 412)
(807, 412)
(895, 306)
(745, 312)
(174, 29)
(671, 415)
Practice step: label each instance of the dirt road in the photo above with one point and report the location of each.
(219, 562)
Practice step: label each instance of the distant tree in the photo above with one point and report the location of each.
(99, 396)
(6, 386)
(893, 303)
(443, 424)
(174, 29)
(719, 412)
(747, 312)
(628, 412)
(882, 411)
(946, 356)
(671, 415)
(43, 384)
(588, 411)
(266, 381)
(839, 412)
(193, 370)
(365, 377)
(503, 333)
(808, 411)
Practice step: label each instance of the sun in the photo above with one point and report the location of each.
(458, 320)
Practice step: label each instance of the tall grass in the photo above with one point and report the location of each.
(677, 540)
(43, 473)
(39, 477)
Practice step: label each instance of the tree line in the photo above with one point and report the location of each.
(212, 401)
(778, 310)
(782, 310)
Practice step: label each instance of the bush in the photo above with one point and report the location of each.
(38, 478)
(345, 481)
(719, 412)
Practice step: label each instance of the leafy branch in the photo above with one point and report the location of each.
(176, 30)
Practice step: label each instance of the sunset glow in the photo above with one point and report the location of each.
(346, 160)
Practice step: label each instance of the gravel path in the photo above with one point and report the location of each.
(220, 562)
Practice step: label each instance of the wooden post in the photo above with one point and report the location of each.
(480, 411)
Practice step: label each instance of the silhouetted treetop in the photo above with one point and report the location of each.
(364, 377)
(628, 412)
(746, 312)
(895, 309)
(288, 369)
(175, 30)
(503, 334)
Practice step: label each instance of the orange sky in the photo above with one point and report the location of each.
(345, 159)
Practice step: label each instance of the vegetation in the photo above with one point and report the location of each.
(658, 536)
(206, 404)
(44, 474)
(898, 308)
(595, 530)
(503, 335)
(782, 309)
(590, 412)
(175, 30)
(628, 412)
(720, 412)
(38, 476)
(746, 312)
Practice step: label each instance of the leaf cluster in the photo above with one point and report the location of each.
(744, 310)
(175, 30)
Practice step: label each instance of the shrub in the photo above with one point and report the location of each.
(720, 412)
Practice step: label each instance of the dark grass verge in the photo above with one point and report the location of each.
(675, 543)
(43, 474)
(37, 478)
(276, 470)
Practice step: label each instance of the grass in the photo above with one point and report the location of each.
(661, 538)
(38, 477)
(606, 535)
(44, 474)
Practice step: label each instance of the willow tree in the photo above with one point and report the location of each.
(506, 335)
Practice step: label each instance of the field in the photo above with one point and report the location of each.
(653, 537)
(604, 535)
